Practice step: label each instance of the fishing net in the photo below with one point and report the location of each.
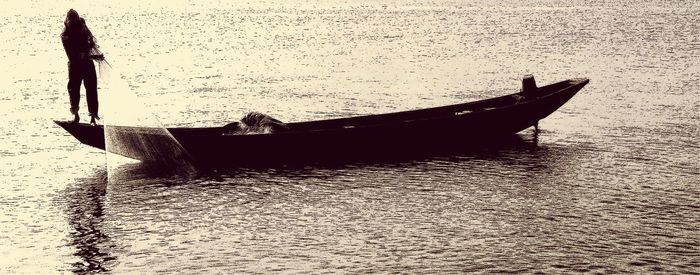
(133, 132)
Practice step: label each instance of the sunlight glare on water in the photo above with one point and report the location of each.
(609, 185)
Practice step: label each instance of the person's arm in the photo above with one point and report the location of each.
(71, 51)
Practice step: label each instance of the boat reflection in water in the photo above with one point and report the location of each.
(140, 217)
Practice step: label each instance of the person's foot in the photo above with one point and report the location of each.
(76, 119)
(92, 119)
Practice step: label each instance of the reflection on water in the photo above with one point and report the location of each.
(86, 200)
(512, 206)
(137, 189)
(356, 212)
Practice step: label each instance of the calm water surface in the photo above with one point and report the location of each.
(610, 184)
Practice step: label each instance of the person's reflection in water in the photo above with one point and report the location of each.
(85, 209)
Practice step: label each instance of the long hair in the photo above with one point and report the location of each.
(73, 22)
(74, 26)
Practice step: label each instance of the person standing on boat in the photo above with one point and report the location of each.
(81, 49)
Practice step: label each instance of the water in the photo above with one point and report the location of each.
(609, 185)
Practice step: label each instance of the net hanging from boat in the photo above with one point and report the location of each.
(132, 131)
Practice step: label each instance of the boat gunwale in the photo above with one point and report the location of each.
(570, 83)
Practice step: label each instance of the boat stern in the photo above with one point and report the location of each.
(85, 133)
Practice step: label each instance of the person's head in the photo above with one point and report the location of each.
(72, 18)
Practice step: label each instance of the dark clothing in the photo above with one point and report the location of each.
(79, 43)
(82, 71)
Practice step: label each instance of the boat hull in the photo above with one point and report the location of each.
(420, 132)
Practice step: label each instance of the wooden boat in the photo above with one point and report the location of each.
(383, 135)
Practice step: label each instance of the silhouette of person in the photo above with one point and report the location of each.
(81, 49)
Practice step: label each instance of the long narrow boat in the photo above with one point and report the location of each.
(382, 135)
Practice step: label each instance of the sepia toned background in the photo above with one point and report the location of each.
(610, 184)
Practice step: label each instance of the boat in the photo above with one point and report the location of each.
(370, 136)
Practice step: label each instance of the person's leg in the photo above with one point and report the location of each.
(90, 77)
(74, 79)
